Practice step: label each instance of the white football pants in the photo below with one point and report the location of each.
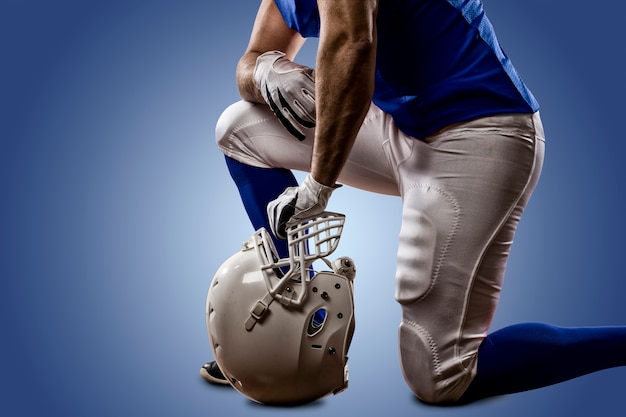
(463, 189)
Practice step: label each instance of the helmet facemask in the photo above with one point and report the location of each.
(308, 241)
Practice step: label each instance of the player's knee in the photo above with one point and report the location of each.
(226, 126)
(433, 378)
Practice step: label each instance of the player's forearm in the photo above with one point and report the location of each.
(344, 88)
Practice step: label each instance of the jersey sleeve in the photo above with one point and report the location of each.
(301, 16)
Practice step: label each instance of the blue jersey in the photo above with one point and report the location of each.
(438, 62)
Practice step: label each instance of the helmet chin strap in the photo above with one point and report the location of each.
(258, 311)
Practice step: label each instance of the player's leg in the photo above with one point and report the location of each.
(260, 153)
(533, 355)
(460, 190)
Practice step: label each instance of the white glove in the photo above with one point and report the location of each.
(296, 203)
(289, 90)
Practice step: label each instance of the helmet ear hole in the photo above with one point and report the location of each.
(316, 322)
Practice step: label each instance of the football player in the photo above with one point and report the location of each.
(413, 98)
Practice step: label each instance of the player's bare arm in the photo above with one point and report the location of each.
(269, 33)
(344, 81)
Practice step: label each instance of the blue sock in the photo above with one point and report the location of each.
(534, 355)
(257, 187)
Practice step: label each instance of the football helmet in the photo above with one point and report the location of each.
(280, 329)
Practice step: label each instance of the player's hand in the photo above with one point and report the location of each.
(289, 90)
(296, 203)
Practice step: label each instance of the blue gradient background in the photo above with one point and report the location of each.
(116, 209)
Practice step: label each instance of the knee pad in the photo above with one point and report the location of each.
(419, 360)
(432, 377)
